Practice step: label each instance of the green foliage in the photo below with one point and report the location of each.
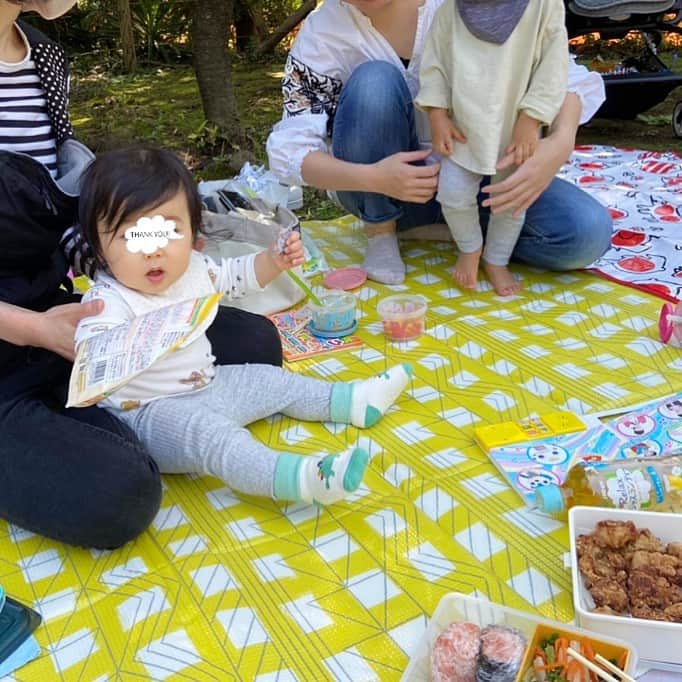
(276, 11)
(271, 12)
(69, 30)
(654, 120)
(162, 26)
(162, 106)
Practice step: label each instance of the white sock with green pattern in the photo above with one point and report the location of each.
(331, 478)
(364, 403)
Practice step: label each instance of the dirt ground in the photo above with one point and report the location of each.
(650, 130)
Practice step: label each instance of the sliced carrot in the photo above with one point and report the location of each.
(622, 660)
(588, 651)
(561, 642)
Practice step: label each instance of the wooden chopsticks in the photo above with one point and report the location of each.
(614, 668)
(599, 672)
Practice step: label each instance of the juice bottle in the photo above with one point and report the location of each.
(649, 483)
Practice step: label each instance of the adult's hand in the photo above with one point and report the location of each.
(396, 177)
(55, 329)
(518, 191)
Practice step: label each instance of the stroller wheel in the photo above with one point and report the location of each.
(677, 119)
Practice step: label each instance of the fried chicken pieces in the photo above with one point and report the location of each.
(630, 571)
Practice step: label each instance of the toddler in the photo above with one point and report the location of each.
(492, 72)
(189, 413)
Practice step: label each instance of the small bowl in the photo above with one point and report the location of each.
(403, 316)
(337, 312)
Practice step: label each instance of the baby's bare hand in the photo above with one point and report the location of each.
(521, 150)
(444, 133)
(525, 138)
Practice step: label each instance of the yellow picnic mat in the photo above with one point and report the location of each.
(224, 587)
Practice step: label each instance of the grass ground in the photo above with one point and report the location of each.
(162, 106)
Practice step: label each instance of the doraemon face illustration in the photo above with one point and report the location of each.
(530, 479)
(635, 426)
(672, 409)
(645, 448)
(547, 454)
(676, 432)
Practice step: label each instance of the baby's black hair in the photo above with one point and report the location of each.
(121, 183)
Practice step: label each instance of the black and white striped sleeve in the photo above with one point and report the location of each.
(79, 254)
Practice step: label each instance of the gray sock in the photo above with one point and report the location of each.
(382, 259)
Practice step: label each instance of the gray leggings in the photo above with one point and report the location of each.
(457, 191)
(204, 431)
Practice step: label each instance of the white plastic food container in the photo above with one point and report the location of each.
(460, 607)
(655, 640)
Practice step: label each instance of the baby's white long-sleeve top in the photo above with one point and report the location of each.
(485, 85)
(188, 368)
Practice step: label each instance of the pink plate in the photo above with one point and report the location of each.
(345, 278)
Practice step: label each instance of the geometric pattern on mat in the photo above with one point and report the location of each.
(643, 192)
(227, 587)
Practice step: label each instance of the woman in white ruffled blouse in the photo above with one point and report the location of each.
(349, 126)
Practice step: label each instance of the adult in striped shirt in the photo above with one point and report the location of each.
(79, 476)
(82, 479)
(25, 125)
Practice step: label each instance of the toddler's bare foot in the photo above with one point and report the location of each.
(465, 272)
(502, 280)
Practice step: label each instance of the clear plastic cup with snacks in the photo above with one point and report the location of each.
(403, 316)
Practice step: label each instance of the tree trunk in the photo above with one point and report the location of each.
(127, 36)
(286, 27)
(210, 32)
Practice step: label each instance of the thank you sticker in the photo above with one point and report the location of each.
(150, 234)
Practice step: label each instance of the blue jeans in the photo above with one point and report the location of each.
(565, 228)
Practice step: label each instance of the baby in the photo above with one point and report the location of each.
(189, 413)
(491, 74)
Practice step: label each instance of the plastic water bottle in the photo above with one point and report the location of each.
(648, 483)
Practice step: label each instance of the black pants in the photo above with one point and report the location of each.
(79, 475)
